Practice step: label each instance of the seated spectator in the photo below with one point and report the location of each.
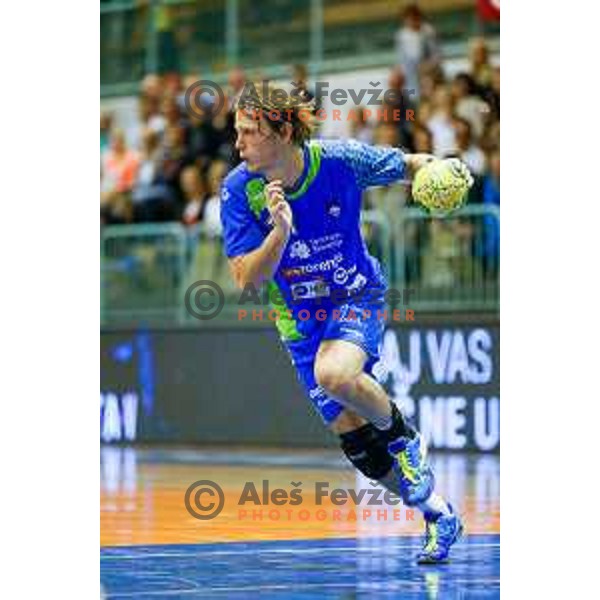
(467, 104)
(386, 134)
(491, 197)
(173, 115)
(491, 136)
(491, 94)
(469, 152)
(428, 81)
(105, 127)
(119, 169)
(361, 129)
(416, 46)
(152, 198)
(175, 156)
(173, 87)
(151, 87)
(236, 80)
(441, 122)
(423, 140)
(212, 212)
(401, 101)
(211, 137)
(424, 112)
(388, 200)
(194, 194)
(440, 255)
(481, 69)
(150, 104)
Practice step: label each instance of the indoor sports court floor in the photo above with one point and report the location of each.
(152, 547)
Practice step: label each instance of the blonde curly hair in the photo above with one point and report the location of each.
(278, 107)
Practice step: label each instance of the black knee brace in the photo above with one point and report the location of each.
(366, 449)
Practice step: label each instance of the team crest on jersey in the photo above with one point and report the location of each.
(333, 208)
(300, 250)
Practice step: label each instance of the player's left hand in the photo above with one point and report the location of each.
(416, 161)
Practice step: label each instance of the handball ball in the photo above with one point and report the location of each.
(442, 185)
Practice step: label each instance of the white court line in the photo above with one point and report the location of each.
(285, 551)
(299, 586)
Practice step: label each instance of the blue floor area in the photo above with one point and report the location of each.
(381, 567)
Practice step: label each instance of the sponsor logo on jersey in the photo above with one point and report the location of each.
(334, 208)
(341, 275)
(320, 267)
(359, 282)
(310, 289)
(326, 242)
(299, 249)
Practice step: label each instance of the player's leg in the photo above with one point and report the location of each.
(366, 447)
(340, 371)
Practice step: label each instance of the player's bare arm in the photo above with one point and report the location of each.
(260, 265)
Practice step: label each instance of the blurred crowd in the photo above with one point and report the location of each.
(170, 167)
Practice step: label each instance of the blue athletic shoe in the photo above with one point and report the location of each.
(416, 477)
(441, 532)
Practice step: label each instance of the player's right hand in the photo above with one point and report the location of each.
(280, 210)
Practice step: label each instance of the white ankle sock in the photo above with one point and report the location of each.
(435, 504)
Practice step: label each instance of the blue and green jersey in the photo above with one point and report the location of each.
(326, 252)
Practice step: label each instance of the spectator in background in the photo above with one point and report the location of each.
(152, 198)
(491, 197)
(149, 117)
(429, 79)
(150, 103)
(211, 137)
(203, 206)
(469, 152)
(416, 46)
(212, 212)
(173, 86)
(491, 136)
(189, 81)
(236, 80)
(481, 69)
(467, 104)
(414, 233)
(491, 94)
(424, 113)
(175, 157)
(173, 115)
(194, 195)
(423, 140)
(151, 88)
(361, 129)
(401, 100)
(441, 122)
(386, 134)
(105, 127)
(119, 169)
(386, 199)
